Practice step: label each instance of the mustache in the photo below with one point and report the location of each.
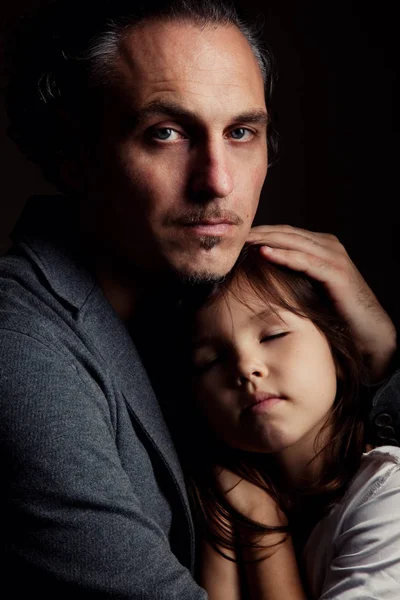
(198, 215)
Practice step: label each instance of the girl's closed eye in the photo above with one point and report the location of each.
(269, 337)
(202, 364)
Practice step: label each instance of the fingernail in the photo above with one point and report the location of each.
(267, 249)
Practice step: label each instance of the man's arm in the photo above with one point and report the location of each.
(323, 257)
(72, 522)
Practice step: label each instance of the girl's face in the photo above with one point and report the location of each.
(266, 381)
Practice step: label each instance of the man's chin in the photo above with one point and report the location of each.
(198, 274)
(206, 263)
(198, 278)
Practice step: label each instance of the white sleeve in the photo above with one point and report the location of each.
(366, 562)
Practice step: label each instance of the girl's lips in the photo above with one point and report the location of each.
(264, 405)
(261, 402)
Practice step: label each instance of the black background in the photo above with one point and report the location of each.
(336, 109)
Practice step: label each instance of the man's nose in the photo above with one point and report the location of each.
(213, 176)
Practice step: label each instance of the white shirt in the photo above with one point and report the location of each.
(354, 552)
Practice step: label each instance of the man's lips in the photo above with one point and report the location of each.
(209, 226)
(262, 401)
(203, 223)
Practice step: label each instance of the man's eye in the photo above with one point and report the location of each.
(165, 134)
(273, 336)
(241, 133)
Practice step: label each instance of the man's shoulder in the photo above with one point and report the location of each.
(46, 258)
(52, 307)
(41, 303)
(50, 301)
(37, 331)
(27, 298)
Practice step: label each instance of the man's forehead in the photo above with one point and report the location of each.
(176, 57)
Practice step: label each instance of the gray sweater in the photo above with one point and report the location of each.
(93, 503)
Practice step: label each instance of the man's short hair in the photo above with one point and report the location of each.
(62, 56)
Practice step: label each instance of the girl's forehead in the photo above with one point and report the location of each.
(241, 295)
(234, 300)
(235, 307)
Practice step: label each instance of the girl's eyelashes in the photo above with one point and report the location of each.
(273, 336)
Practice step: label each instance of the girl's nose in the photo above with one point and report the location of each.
(251, 370)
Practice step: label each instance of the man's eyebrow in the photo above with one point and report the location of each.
(173, 110)
(257, 115)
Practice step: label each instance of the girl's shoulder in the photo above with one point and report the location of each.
(364, 524)
(377, 467)
(377, 477)
(383, 454)
(379, 471)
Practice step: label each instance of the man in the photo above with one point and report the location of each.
(155, 124)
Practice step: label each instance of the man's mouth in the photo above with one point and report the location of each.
(213, 227)
(214, 223)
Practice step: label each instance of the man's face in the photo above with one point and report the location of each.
(176, 178)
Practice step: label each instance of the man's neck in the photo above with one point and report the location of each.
(127, 289)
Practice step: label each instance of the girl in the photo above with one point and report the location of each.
(290, 503)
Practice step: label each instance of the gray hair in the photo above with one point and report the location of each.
(104, 49)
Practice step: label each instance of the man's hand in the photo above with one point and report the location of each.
(323, 257)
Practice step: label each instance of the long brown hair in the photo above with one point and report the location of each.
(279, 287)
